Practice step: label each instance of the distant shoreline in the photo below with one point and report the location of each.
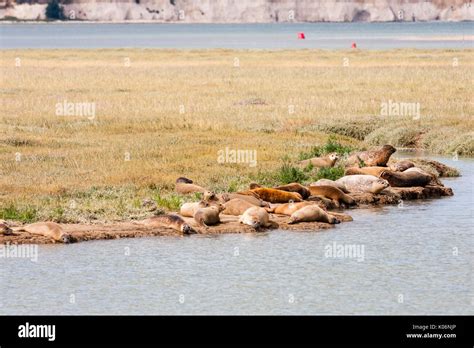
(67, 22)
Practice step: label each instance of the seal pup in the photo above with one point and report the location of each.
(185, 186)
(255, 217)
(333, 193)
(48, 229)
(209, 215)
(372, 158)
(312, 213)
(406, 179)
(363, 183)
(172, 221)
(321, 162)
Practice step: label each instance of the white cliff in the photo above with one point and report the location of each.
(251, 11)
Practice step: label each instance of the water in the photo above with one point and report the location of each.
(238, 36)
(409, 266)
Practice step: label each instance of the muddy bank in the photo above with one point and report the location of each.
(230, 224)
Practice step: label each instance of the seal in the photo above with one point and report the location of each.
(185, 186)
(333, 193)
(5, 228)
(327, 182)
(401, 166)
(363, 183)
(375, 171)
(407, 178)
(255, 217)
(295, 187)
(274, 196)
(236, 207)
(172, 221)
(289, 208)
(209, 215)
(377, 158)
(312, 213)
(188, 209)
(434, 179)
(225, 197)
(48, 229)
(321, 162)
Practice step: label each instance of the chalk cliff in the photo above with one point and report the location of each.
(247, 11)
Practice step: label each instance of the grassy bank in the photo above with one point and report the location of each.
(160, 114)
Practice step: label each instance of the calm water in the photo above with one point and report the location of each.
(238, 36)
(408, 251)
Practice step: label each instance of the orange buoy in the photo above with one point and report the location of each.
(354, 45)
(301, 36)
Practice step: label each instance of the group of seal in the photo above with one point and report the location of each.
(367, 173)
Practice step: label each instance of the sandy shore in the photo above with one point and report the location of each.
(230, 224)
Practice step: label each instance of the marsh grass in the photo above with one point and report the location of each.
(172, 111)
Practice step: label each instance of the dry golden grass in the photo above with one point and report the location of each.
(277, 103)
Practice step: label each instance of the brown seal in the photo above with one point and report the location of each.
(255, 217)
(188, 209)
(225, 197)
(209, 215)
(434, 179)
(406, 178)
(236, 207)
(401, 166)
(295, 187)
(289, 208)
(173, 221)
(375, 171)
(332, 193)
(5, 228)
(321, 162)
(47, 229)
(372, 158)
(312, 213)
(273, 195)
(185, 186)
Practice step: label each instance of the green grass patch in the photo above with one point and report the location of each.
(333, 173)
(331, 146)
(287, 174)
(23, 214)
(169, 202)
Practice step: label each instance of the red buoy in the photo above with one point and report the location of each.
(354, 45)
(301, 36)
